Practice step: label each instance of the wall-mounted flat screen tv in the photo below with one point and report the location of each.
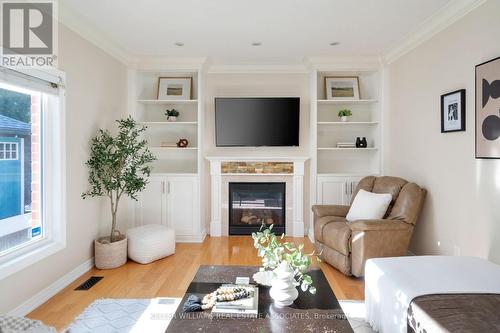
(257, 121)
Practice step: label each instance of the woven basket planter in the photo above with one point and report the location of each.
(110, 255)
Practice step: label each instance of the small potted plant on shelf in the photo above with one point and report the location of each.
(172, 115)
(344, 115)
(284, 266)
(118, 166)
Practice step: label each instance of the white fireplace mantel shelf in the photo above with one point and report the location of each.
(298, 188)
(256, 159)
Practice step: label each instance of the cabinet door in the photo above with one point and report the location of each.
(182, 204)
(333, 191)
(151, 206)
(353, 183)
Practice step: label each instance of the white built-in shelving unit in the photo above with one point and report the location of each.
(328, 130)
(172, 194)
(150, 111)
(334, 171)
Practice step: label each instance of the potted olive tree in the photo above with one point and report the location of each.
(118, 165)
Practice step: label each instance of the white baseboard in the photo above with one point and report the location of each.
(310, 234)
(298, 229)
(44, 295)
(190, 238)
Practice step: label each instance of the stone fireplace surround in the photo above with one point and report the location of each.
(294, 193)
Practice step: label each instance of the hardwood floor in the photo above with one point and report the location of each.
(171, 277)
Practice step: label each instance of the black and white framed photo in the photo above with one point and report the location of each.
(342, 88)
(453, 111)
(171, 88)
(488, 109)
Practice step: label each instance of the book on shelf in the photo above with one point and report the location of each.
(247, 307)
(168, 145)
(346, 145)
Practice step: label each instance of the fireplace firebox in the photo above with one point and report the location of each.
(251, 204)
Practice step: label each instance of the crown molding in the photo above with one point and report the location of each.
(174, 64)
(448, 15)
(353, 63)
(74, 22)
(257, 69)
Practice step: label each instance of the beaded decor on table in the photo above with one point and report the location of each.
(224, 294)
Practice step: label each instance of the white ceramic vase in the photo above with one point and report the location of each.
(172, 119)
(283, 286)
(344, 118)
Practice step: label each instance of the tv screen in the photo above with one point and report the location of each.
(266, 121)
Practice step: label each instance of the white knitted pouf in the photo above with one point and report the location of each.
(150, 242)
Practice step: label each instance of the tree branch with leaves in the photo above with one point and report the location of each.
(119, 165)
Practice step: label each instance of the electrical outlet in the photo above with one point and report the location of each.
(456, 251)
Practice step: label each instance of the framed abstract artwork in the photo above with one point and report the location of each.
(488, 109)
(453, 111)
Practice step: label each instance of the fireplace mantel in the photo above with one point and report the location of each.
(216, 175)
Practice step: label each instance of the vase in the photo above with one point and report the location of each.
(358, 142)
(364, 143)
(172, 118)
(283, 286)
(344, 118)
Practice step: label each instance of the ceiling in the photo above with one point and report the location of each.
(223, 30)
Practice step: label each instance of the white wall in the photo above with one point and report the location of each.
(462, 207)
(256, 85)
(95, 97)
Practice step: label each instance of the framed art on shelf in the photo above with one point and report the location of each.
(453, 111)
(342, 87)
(174, 88)
(488, 109)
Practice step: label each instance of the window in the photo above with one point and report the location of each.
(31, 169)
(8, 151)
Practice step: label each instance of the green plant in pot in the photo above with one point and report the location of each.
(172, 115)
(344, 114)
(288, 264)
(118, 166)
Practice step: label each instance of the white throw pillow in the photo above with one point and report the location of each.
(369, 206)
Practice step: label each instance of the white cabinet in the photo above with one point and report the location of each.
(182, 205)
(172, 200)
(151, 205)
(336, 190)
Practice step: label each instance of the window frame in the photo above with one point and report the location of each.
(4, 150)
(53, 179)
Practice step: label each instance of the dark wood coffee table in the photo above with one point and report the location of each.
(309, 313)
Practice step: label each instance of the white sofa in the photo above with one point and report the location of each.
(392, 283)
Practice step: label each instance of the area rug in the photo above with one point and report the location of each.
(356, 314)
(125, 316)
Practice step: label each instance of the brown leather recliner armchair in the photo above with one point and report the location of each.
(347, 245)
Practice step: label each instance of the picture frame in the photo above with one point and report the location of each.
(453, 111)
(342, 88)
(487, 109)
(174, 88)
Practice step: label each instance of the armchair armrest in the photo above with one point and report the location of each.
(377, 239)
(330, 210)
(379, 225)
